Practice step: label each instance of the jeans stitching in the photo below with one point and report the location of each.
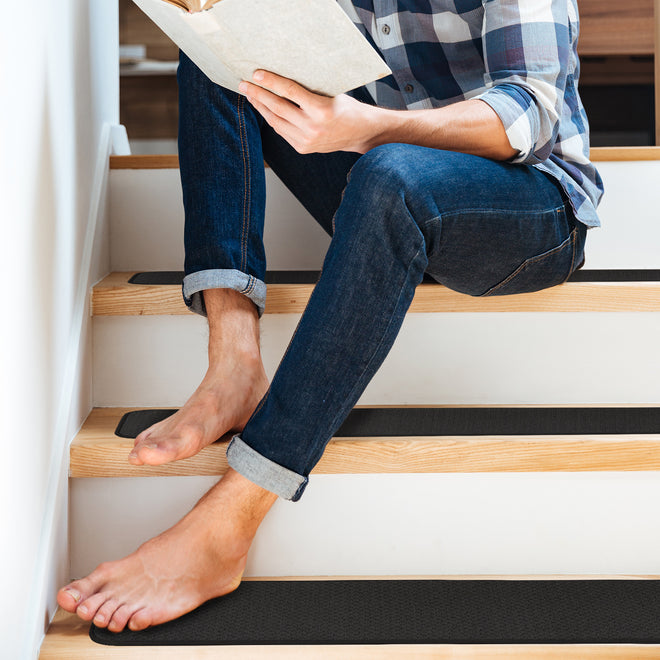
(246, 179)
(529, 262)
(574, 238)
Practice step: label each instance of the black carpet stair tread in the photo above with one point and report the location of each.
(311, 277)
(416, 612)
(409, 421)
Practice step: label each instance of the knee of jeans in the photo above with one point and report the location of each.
(394, 174)
(385, 169)
(383, 183)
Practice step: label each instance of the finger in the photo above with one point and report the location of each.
(286, 129)
(276, 104)
(284, 87)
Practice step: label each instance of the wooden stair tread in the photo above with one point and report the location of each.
(114, 296)
(97, 452)
(171, 161)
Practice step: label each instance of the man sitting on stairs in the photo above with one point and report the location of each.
(470, 163)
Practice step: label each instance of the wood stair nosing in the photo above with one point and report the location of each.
(114, 296)
(98, 452)
(171, 161)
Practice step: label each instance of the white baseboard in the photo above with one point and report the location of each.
(48, 567)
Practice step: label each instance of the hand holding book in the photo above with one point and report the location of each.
(310, 123)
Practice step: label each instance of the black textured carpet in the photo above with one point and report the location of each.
(392, 422)
(416, 612)
(312, 276)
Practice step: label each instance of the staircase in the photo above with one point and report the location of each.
(457, 506)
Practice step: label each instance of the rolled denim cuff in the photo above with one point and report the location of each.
(248, 285)
(264, 472)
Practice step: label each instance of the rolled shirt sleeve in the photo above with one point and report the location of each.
(528, 54)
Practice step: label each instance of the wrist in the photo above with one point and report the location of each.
(382, 127)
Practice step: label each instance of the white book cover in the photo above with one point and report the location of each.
(310, 41)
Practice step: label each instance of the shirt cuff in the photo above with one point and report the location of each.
(516, 111)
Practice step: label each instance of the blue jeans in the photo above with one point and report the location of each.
(477, 226)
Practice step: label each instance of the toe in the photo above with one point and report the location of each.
(105, 612)
(120, 618)
(88, 608)
(140, 620)
(71, 596)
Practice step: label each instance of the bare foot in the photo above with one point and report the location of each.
(201, 557)
(223, 402)
(233, 386)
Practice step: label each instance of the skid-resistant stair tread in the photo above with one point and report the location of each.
(631, 291)
(175, 277)
(395, 421)
(416, 611)
(604, 438)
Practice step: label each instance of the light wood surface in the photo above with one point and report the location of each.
(145, 162)
(113, 296)
(68, 639)
(612, 27)
(171, 161)
(97, 452)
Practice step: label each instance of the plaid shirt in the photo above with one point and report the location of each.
(519, 56)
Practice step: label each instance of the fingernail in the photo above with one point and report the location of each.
(242, 88)
(258, 75)
(82, 609)
(74, 594)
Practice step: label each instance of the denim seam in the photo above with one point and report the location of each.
(529, 262)
(508, 211)
(380, 343)
(574, 239)
(246, 179)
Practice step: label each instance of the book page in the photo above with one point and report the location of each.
(187, 31)
(310, 41)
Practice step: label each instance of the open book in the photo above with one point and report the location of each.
(310, 41)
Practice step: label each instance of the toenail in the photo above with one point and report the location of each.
(74, 594)
(100, 618)
(152, 446)
(82, 609)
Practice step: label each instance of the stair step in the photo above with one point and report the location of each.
(115, 296)
(98, 452)
(68, 637)
(171, 161)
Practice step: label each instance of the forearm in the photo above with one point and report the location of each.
(471, 127)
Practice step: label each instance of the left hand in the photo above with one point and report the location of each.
(311, 123)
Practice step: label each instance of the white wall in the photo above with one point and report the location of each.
(59, 96)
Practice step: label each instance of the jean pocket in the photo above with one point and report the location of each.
(542, 271)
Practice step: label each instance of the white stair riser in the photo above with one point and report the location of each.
(568, 523)
(147, 222)
(437, 358)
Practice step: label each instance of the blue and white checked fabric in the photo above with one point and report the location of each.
(519, 56)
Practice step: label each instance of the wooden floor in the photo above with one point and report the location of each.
(97, 452)
(114, 296)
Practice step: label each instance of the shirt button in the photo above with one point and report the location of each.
(408, 88)
(386, 29)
